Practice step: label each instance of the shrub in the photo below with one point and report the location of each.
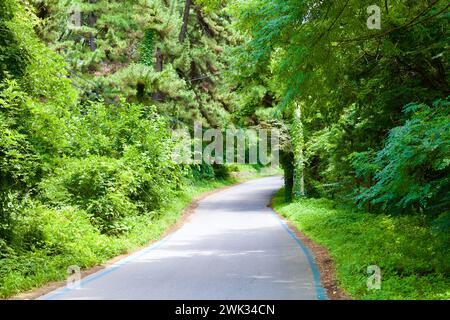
(412, 170)
(107, 189)
(202, 171)
(119, 168)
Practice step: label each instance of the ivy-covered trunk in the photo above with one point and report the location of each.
(298, 189)
(158, 95)
(92, 20)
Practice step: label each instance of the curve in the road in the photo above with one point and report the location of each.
(232, 247)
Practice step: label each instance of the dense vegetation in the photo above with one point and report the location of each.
(91, 89)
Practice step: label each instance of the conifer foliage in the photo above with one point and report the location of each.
(168, 53)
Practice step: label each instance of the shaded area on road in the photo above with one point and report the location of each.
(231, 247)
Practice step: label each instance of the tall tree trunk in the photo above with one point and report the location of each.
(187, 9)
(298, 189)
(205, 26)
(158, 95)
(92, 20)
(140, 91)
(159, 60)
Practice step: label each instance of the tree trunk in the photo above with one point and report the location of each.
(158, 95)
(140, 91)
(205, 26)
(92, 20)
(187, 9)
(159, 60)
(298, 189)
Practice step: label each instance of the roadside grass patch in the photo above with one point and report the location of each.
(414, 260)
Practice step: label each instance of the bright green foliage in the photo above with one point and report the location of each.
(126, 166)
(375, 125)
(32, 105)
(86, 173)
(62, 237)
(211, 5)
(86, 108)
(110, 163)
(13, 54)
(412, 170)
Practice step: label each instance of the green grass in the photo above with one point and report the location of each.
(414, 261)
(70, 239)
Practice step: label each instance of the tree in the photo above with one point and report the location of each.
(187, 9)
(351, 81)
(298, 146)
(412, 170)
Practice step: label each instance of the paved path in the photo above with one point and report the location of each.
(232, 247)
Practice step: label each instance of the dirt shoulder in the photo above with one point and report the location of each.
(324, 262)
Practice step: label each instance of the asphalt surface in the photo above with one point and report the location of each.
(232, 247)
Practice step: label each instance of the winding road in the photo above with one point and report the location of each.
(232, 247)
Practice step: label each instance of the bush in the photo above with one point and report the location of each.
(95, 184)
(47, 242)
(412, 171)
(221, 171)
(202, 171)
(120, 168)
(107, 189)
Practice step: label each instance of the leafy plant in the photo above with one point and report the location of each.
(412, 170)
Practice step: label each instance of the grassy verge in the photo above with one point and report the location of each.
(72, 240)
(414, 260)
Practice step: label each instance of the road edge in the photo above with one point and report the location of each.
(322, 259)
(181, 220)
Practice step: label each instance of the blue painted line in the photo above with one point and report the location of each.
(320, 291)
(110, 269)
